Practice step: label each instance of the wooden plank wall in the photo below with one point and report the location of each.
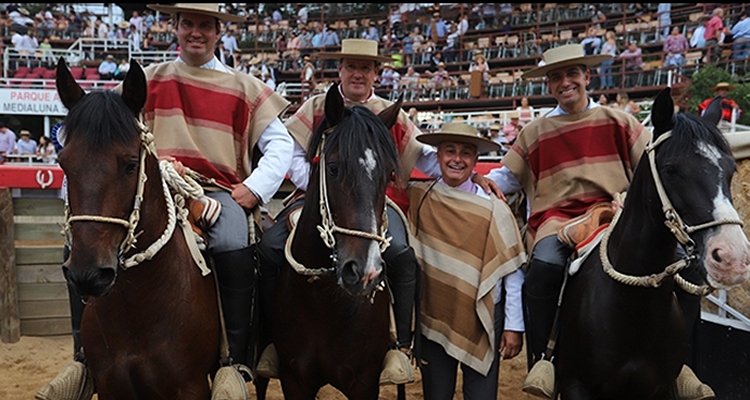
(42, 293)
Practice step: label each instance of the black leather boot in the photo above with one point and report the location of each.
(235, 271)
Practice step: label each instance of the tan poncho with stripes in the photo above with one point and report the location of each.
(465, 243)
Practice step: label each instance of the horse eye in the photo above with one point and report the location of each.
(130, 167)
(333, 169)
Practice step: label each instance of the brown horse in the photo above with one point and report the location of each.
(150, 328)
(330, 321)
(622, 332)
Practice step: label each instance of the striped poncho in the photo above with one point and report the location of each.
(209, 120)
(302, 124)
(568, 163)
(465, 243)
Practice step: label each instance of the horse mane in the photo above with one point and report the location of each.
(690, 129)
(359, 129)
(103, 118)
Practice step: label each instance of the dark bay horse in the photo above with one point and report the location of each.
(331, 324)
(622, 333)
(150, 328)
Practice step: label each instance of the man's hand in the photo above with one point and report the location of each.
(244, 197)
(178, 166)
(510, 344)
(489, 186)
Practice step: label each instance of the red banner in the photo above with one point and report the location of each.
(31, 176)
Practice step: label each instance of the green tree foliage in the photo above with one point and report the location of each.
(707, 77)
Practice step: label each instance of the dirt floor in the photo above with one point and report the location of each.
(33, 361)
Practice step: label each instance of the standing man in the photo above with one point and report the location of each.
(7, 141)
(741, 37)
(471, 251)
(714, 35)
(217, 142)
(603, 148)
(358, 65)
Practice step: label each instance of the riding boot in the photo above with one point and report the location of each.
(539, 313)
(236, 274)
(396, 366)
(74, 382)
(268, 363)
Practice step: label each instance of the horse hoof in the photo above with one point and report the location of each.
(540, 381)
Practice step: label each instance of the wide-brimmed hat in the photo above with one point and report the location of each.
(123, 25)
(110, 57)
(459, 132)
(495, 127)
(210, 9)
(512, 115)
(25, 132)
(363, 49)
(565, 56)
(479, 54)
(722, 85)
(387, 66)
(254, 61)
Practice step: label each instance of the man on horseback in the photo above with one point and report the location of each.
(565, 190)
(358, 68)
(209, 118)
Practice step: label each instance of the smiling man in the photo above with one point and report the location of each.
(576, 156)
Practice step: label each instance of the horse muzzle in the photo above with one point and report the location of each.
(361, 276)
(727, 258)
(93, 281)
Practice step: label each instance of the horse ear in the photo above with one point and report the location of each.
(389, 116)
(334, 107)
(134, 88)
(67, 87)
(712, 115)
(662, 111)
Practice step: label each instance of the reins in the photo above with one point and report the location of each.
(676, 225)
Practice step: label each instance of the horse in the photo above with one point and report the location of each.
(331, 321)
(150, 327)
(622, 333)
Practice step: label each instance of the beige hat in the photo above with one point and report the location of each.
(210, 9)
(459, 132)
(387, 66)
(722, 85)
(565, 56)
(495, 127)
(479, 54)
(441, 64)
(25, 132)
(513, 115)
(363, 49)
(254, 61)
(123, 25)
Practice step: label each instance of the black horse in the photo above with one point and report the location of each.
(330, 321)
(622, 333)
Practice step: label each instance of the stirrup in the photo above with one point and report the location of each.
(396, 368)
(540, 381)
(689, 387)
(268, 364)
(74, 382)
(229, 384)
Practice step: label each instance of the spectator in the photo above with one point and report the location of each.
(331, 38)
(439, 79)
(137, 21)
(372, 32)
(45, 150)
(135, 39)
(452, 48)
(697, 39)
(480, 65)
(512, 128)
(675, 47)
(123, 31)
(642, 13)
(437, 30)
(276, 16)
(148, 20)
(148, 43)
(25, 145)
(664, 14)
(609, 47)
(407, 48)
(489, 14)
(603, 100)
(505, 28)
(7, 141)
(592, 43)
(280, 45)
(389, 77)
(486, 304)
(525, 111)
(317, 38)
(305, 40)
(302, 12)
(394, 20)
(307, 76)
(741, 37)
(293, 49)
(495, 134)
(221, 53)
(730, 110)
(633, 60)
(624, 103)
(122, 69)
(410, 84)
(463, 25)
(714, 35)
(102, 29)
(598, 18)
(437, 57)
(230, 42)
(107, 68)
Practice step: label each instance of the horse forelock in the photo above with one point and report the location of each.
(691, 131)
(101, 118)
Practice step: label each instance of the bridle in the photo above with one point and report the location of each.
(328, 227)
(174, 211)
(676, 225)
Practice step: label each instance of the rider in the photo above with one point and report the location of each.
(209, 118)
(358, 69)
(604, 147)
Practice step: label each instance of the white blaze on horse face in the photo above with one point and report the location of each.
(374, 262)
(727, 256)
(369, 163)
(710, 152)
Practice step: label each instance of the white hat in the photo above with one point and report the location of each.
(459, 132)
(210, 9)
(564, 56)
(364, 49)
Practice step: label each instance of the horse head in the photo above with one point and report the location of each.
(697, 201)
(101, 159)
(353, 158)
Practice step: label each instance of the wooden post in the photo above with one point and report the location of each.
(10, 323)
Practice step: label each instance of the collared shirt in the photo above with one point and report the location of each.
(107, 67)
(275, 144)
(742, 29)
(7, 141)
(26, 147)
(676, 44)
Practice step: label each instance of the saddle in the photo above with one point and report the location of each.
(578, 229)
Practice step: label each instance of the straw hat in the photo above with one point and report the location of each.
(722, 85)
(513, 115)
(123, 25)
(459, 132)
(387, 66)
(441, 64)
(565, 56)
(210, 9)
(495, 127)
(25, 132)
(363, 49)
(436, 14)
(254, 61)
(478, 55)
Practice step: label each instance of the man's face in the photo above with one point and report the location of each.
(457, 161)
(568, 86)
(357, 78)
(722, 92)
(197, 36)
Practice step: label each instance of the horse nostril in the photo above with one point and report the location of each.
(349, 274)
(716, 256)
